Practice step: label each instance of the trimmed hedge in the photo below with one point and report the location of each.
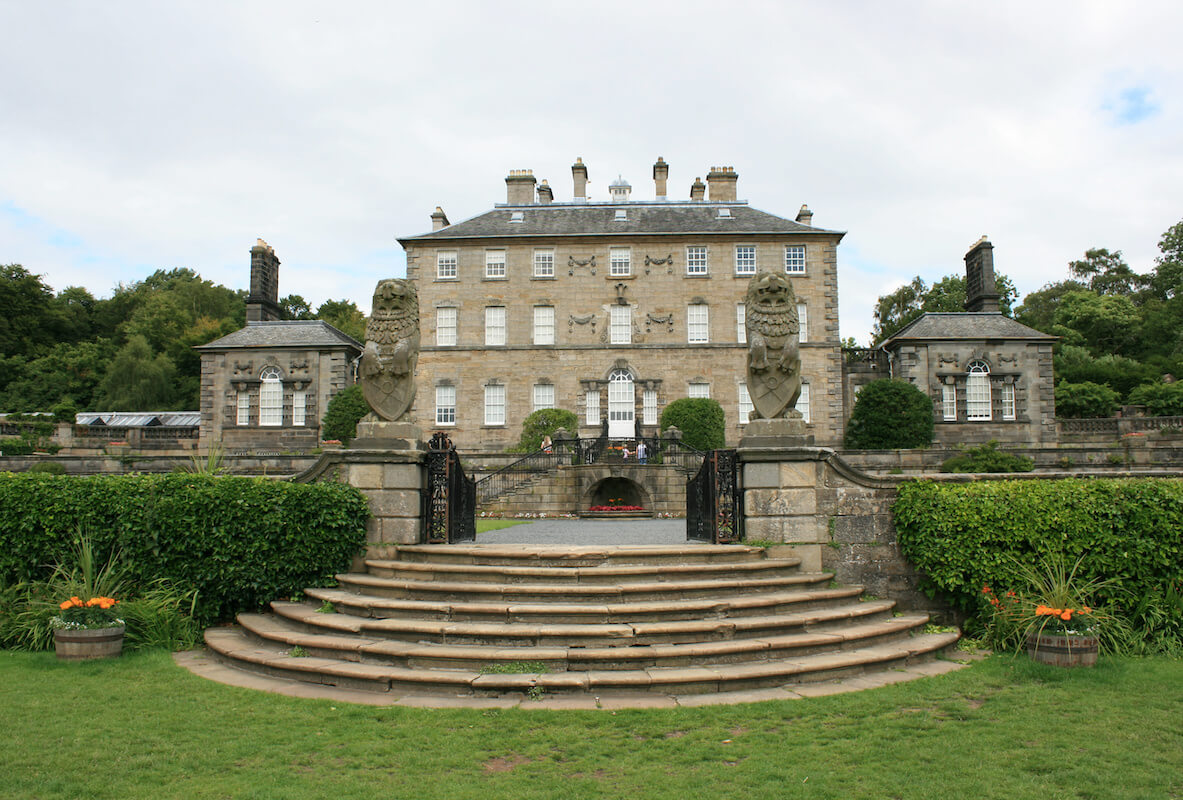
(969, 535)
(700, 420)
(890, 414)
(241, 542)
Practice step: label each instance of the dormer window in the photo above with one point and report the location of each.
(724, 213)
(621, 215)
(517, 216)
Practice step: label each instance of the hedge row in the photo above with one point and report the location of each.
(241, 542)
(966, 536)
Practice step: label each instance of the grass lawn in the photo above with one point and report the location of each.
(141, 727)
(483, 525)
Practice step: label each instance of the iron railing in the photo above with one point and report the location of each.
(522, 471)
(714, 510)
(450, 497)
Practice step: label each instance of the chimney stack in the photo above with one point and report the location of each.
(661, 172)
(545, 195)
(805, 216)
(981, 294)
(262, 304)
(722, 182)
(697, 190)
(519, 187)
(579, 175)
(439, 220)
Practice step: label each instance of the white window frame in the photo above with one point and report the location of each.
(802, 322)
(649, 407)
(620, 262)
(698, 323)
(446, 320)
(1008, 401)
(270, 397)
(243, 416)
(699, 389)
(977, 392)
(745, 404)
(544, 396)
(949, 402)
(803, 403)
(299, 407)
(445, 405)
(495, 404)
(544, 324)
(494, 326)
(446, 266)
(795, 259)
(745, 259)
(591, 406)
(620, 324)
(544, 263)
(697, 260)
(741, 323)
(495, 264)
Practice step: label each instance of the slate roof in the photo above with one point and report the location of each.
(599, 219)
(284, 333)
(965, 325)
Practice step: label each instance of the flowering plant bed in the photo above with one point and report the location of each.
(617, 508)
(78, 614)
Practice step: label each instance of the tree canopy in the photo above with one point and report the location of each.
(896, 310)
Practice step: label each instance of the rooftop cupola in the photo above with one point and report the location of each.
(620, 190)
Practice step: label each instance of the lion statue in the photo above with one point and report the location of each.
(387, 366)
(774, 363)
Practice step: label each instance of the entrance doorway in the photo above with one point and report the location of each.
(621, 405)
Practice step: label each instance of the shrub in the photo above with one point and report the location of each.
(65, 411)
(968, 536)
(1086, 399)
(987, 458)
(1160, 399)
(699, 419)
(48, 468)
(890, 414)
(239, 542)
(344, 411)
(12, 446)
(544, 422)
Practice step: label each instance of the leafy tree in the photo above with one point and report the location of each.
(1106, 273)
(138, 380)
(987, 458)
(1167, 280)
(895, 311)
(345, 410)
(699, 419)
(1039, 308)
(344, 316)
(544, 422)
(1160, 399)
(28, 323)
(890, 414)
(1108, 323)
(1077, 365)
(295, 307)
(1084, 400)
(67, 373)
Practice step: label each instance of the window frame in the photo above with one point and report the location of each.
(495, 401)
(447, 269)
(978, 397)
(741, 323)
(948, 402)
(496, 334)
(694, 265)
(546, 389)
(542, 326)
(744, 404)
(242, 415)
(443, 326)
(544, 263)
(495, 265)
(698, 331)
(620, 267)
(1007, 399)
(694, 392)
(270, 397)
(591, 406)
(649, 407)
(802, 322)
(620, 331)
(803, 406)
(796, 263)
(741, 265)
(299, 408)
(445, 412)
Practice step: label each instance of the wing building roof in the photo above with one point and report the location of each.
(284, 333)
(965, 325)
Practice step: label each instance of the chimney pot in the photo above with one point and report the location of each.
(698, 190)
(981, 293)
(661, 172)
(519, 187)
(579, 176)
(262, 304)
(545, 195)
(722, 182)
(805, 216)
(439, 220)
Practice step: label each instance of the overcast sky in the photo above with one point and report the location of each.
(144, 135)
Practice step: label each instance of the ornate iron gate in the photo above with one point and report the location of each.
(449, 501)
(714, 505)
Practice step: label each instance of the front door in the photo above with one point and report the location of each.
(621, 405)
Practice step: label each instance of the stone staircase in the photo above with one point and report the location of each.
(517, 620)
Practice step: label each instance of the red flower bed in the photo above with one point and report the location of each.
(617, 508)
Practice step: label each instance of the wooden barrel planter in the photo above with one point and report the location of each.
(1062, 650)
(77, 645)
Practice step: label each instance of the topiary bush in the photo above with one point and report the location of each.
(967, 536)
(700, 420)
(240, 542)
(544, 422)
(1160, 399)
(344, 411)
(890, 414)
(987, 458)
(1085, 400)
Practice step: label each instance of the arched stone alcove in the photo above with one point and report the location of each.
(617, 491)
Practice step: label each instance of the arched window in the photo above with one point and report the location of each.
(271, 397)
(621, 404)
(977, 391)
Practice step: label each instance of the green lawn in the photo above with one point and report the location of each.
(141, 727)
(483, 525)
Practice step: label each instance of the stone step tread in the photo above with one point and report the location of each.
(599, 573)
(278, 630)
(692, 608)
(582, 589)
(591, 554)
(234, 645)
(308, 615)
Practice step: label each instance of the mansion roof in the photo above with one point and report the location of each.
(607, 219)
(285, 333)
(965, 325)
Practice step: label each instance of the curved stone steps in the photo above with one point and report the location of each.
(567, 574)
(364, 583)
(504, 634)
(270, 659)
(578, 556)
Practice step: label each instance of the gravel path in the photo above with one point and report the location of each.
(586, 531)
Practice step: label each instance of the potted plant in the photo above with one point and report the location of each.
(88, 629)
(1054, 614)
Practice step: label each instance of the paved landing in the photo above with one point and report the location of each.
(588, 531)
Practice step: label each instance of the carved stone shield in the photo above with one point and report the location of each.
(774, 364)
(387, 367)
